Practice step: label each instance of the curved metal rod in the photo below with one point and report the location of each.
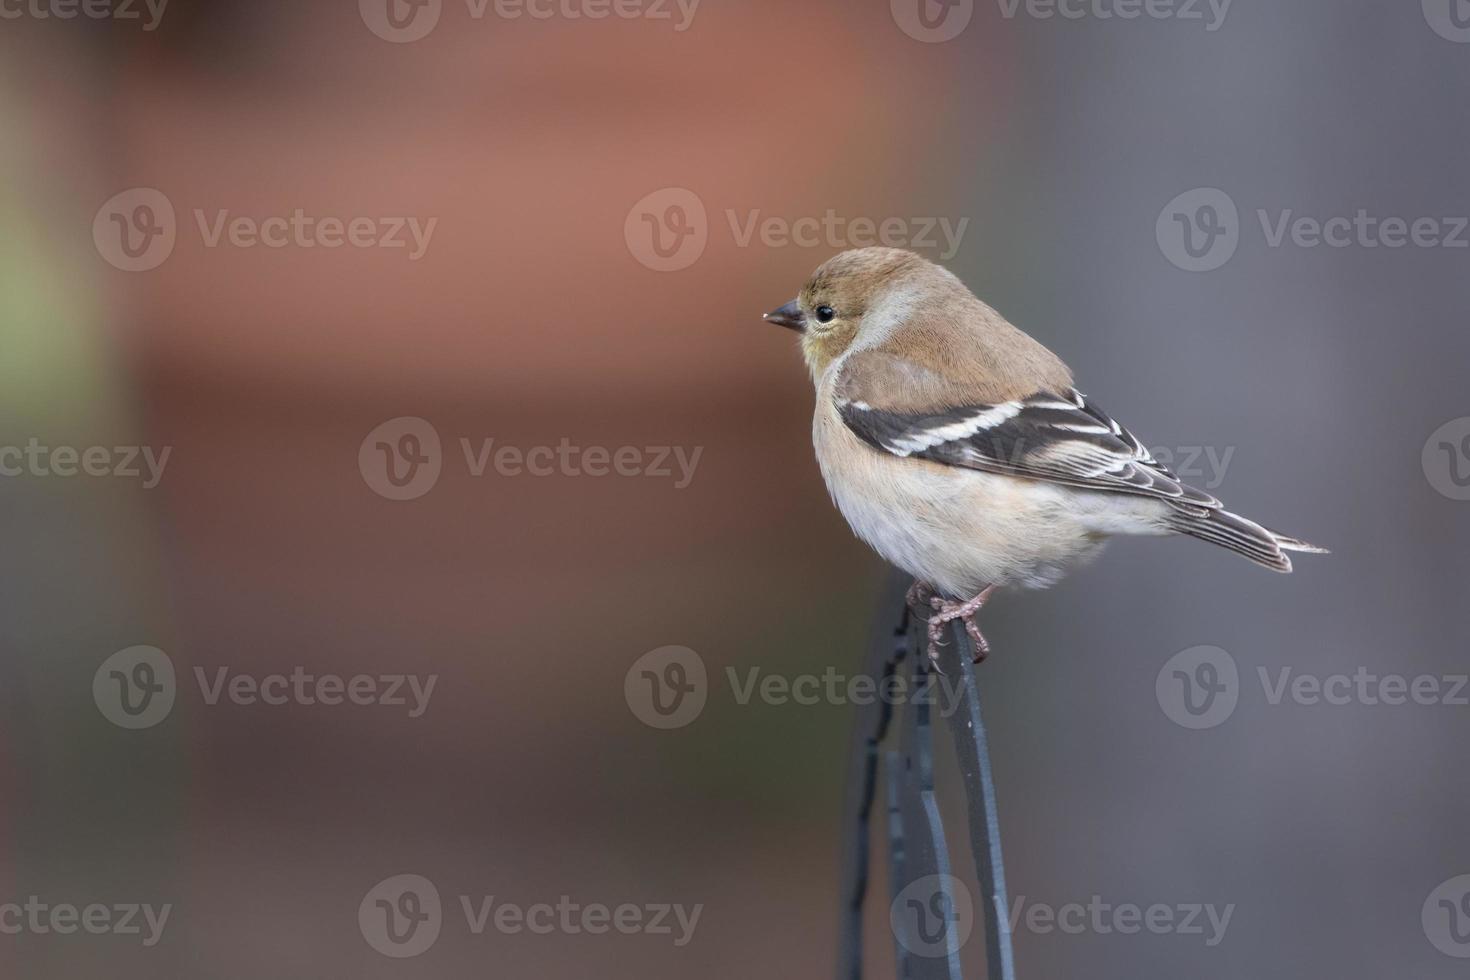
(917, 847)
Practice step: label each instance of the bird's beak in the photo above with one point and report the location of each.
(789, 316)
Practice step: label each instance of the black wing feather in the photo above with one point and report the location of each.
(1063, 438)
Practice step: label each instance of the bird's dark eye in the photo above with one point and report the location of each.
(825, 314)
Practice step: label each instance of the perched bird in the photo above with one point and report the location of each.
(957, 448)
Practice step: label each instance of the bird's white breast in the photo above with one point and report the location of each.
(960, 529)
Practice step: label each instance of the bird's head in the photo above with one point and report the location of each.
(859, 295)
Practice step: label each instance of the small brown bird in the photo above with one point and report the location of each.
(957, 448)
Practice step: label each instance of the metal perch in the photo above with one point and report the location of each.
(928, 904)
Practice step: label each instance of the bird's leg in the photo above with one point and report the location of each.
(919, 595)
(948, 612)
(920, 599)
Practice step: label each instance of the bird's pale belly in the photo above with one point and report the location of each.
(961, 529)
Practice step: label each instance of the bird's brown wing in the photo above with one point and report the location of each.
(1060, 437)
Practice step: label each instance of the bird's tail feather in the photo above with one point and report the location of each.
(1297, 544)
(1261, 545)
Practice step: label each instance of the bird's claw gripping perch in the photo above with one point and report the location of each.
(945, 612)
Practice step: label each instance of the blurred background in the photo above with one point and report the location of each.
(207, 249)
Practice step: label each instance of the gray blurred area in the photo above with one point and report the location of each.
(1314, 387)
